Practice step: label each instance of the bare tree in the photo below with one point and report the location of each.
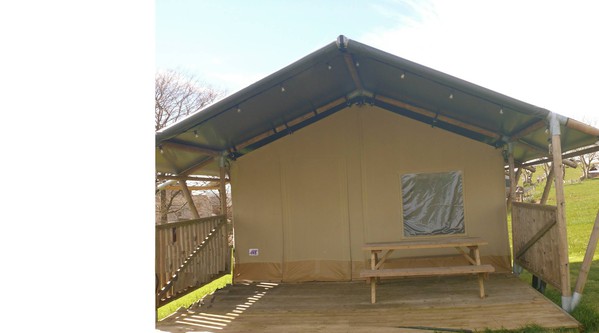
(587, 159)
(178, 95)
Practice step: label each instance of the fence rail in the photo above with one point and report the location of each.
(535, 240)
(190, 254)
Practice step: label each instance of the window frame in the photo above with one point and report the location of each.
(437, 233)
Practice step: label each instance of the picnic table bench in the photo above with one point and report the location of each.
(474, 266)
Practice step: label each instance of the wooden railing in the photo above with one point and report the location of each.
(190, 254)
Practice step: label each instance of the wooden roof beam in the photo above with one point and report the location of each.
(192, 188)
(543, 150)
(588, 150)
(440, 117)
(527, 130)
(291, 123)
(189, 148)
(196, 166)
(353, 70)
(582, 127)
(190, 178)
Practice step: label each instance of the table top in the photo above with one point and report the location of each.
(429, 243)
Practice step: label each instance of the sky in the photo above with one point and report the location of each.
(541, 52)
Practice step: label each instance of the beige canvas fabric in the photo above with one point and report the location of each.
(309, 201)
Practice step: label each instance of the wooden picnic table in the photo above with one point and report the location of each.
(459, 243)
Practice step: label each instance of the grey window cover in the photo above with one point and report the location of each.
(433, 203)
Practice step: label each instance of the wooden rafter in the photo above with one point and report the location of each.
(196, 166)
(528, 129)
(533, 147)
(256, 138)
(190, 203)
(440, 117)
(547, 188)
(291, 123)
(564, 156)
(353, 71)
(191, 178)
(582, 127)
(193, 188)
(189, 148)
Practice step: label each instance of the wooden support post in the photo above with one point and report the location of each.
(586, 264)
(518, 196)
(564, 261)
(513, 181)
(547, 188)
(222, 190)
(187, 194)
(163, 207)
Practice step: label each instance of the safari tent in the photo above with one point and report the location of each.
(351, 145)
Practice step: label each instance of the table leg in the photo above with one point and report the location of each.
(480, 275)
(372, 290)
(373, 262)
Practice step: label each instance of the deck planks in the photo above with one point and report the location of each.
(436, 302)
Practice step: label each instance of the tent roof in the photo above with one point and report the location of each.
(344, 73)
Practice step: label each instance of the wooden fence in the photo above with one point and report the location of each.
(190, 254)
(536, 241)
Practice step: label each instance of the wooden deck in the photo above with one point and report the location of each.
(449, 304)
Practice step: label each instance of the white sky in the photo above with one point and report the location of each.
(541, 52)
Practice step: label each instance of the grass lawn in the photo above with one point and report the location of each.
(187, 300)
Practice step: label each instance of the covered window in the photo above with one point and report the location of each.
(433, 203)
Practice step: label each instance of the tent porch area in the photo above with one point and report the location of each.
(445, 304)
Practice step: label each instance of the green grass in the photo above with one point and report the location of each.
(193, 297)
(532, 329)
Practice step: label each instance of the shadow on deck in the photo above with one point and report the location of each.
(449, 304)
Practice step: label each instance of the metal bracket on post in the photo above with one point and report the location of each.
(517, 269)
(555, 120)
(553, 124)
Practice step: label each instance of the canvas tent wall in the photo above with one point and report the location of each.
(309, 201)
